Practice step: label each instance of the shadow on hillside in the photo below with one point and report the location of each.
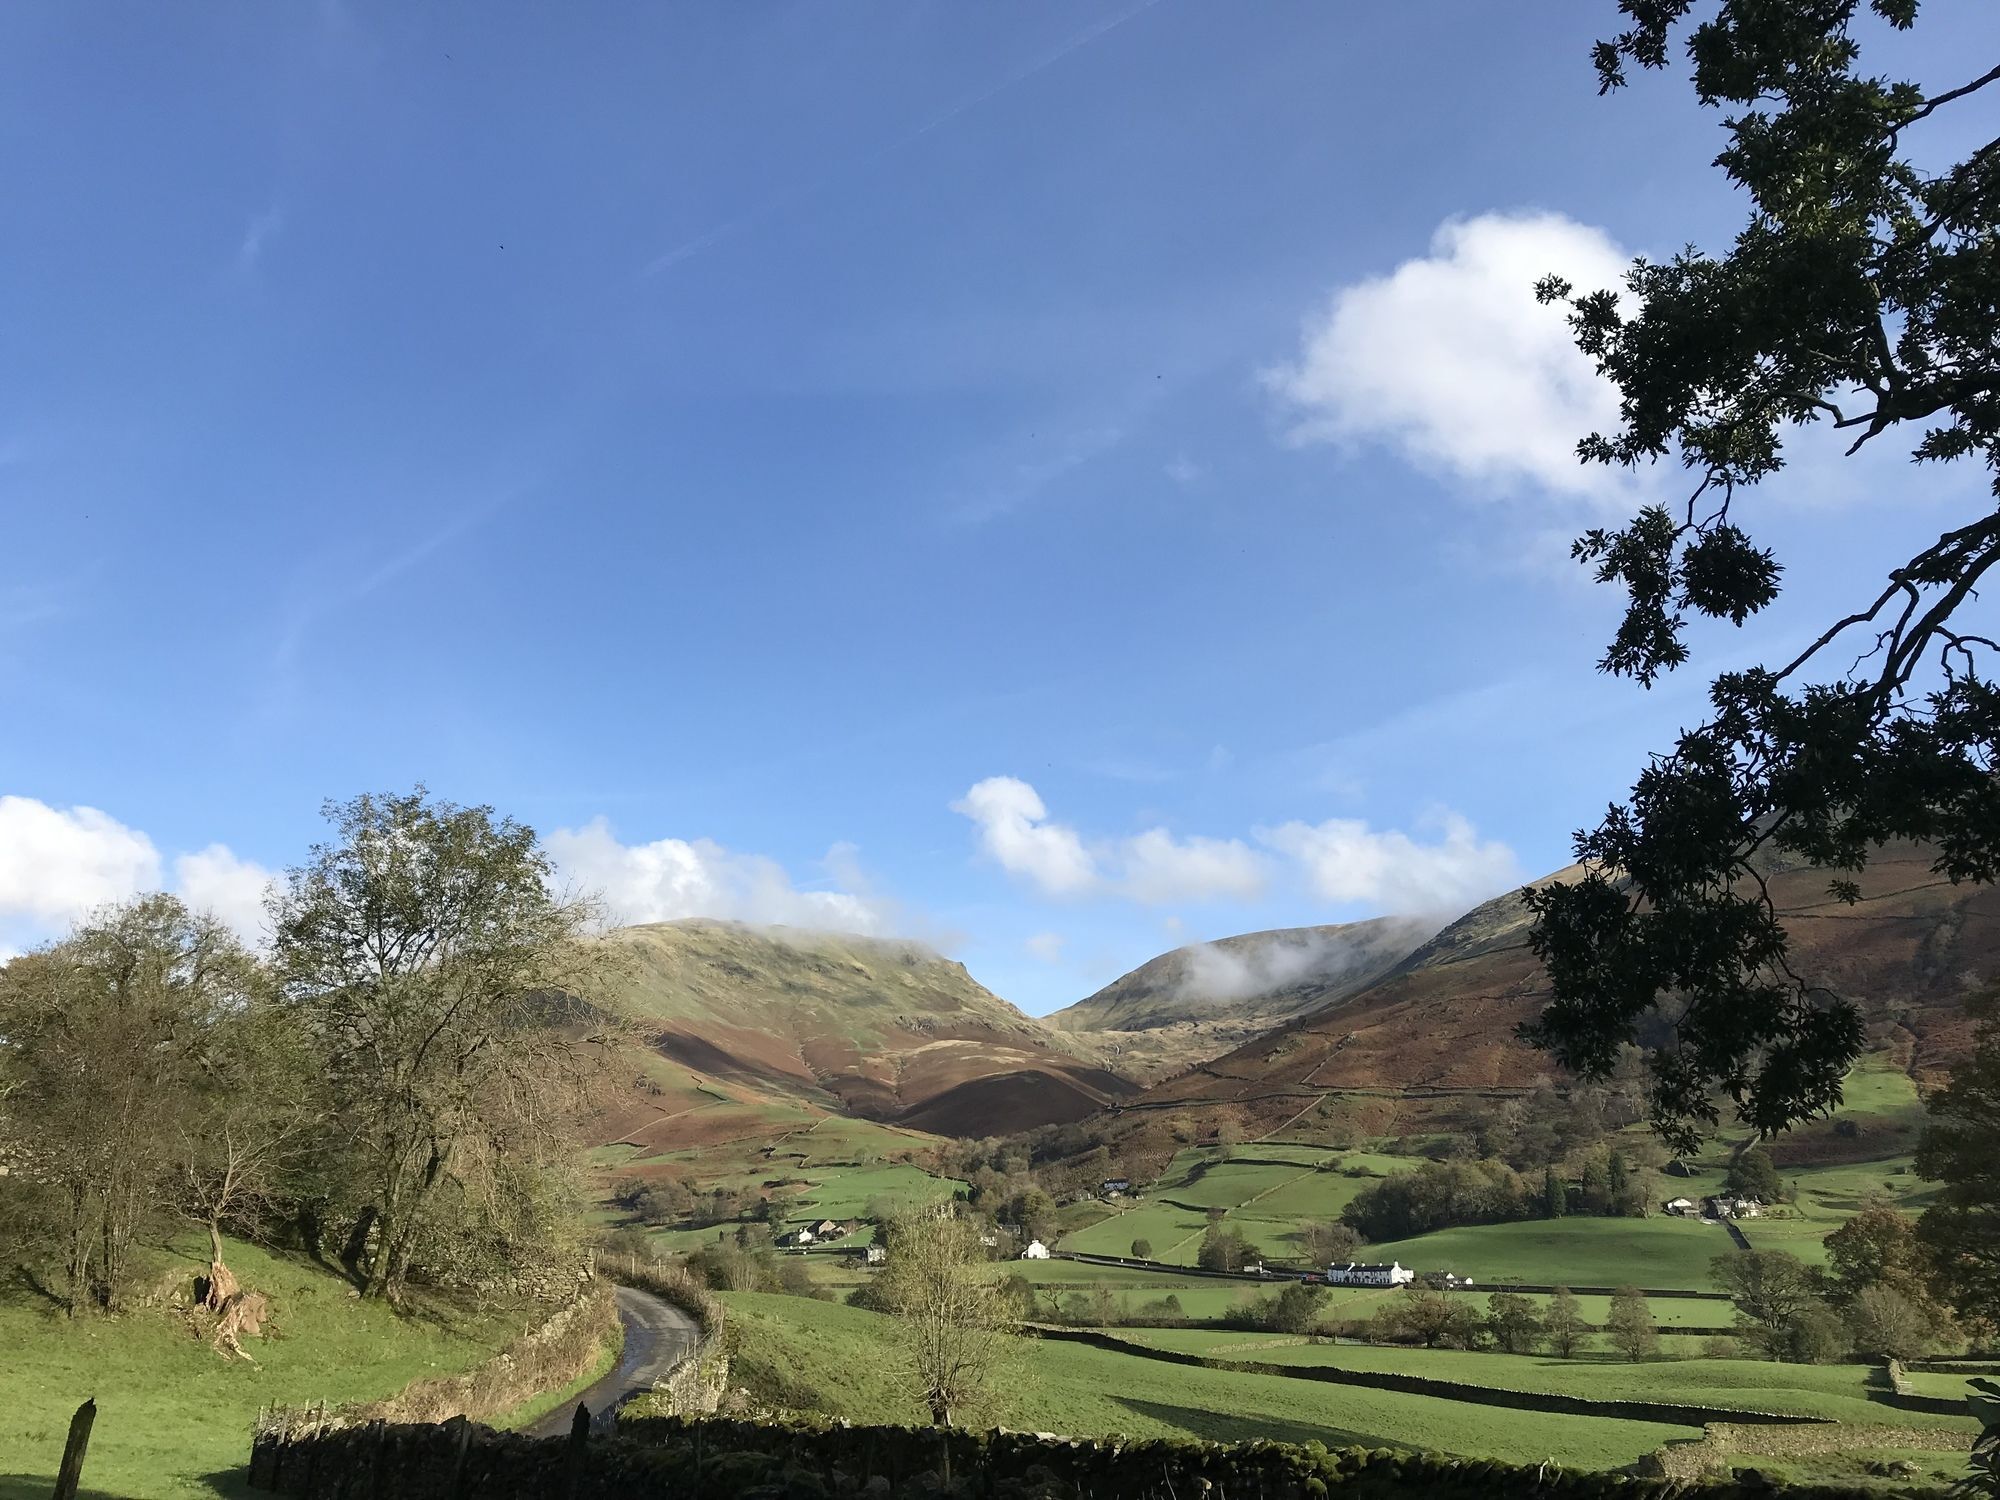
(230, 1484)
(41, 1486)
(1221, 1427)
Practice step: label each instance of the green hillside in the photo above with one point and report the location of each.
(173, 1417)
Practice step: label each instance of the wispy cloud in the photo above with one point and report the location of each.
(781, 202)
(1028, 477)
(257, 237)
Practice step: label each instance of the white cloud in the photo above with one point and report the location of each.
(1450, 359)
(1013, 828)
(1346, 861)
(668, 879)
(57, 864)
(1182, 470)
(1153, 867)
(1046, 946)
(1160, 869)
(215, 880)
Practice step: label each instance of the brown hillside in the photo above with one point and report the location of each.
(884, 1030)
(1443, 1022)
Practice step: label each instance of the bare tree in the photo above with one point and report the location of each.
(938, 1283)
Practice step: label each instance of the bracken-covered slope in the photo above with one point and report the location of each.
(885, 1030)
(1442, 1021)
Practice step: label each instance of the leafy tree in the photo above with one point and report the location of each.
(254, 1125)
(1555, 1198)
(1568, 1334)
(429, 954)
(1858, 297)
(1630, 1326)
(1438, 1195)
(1223, 1249)
(1816, 1335)
(1753, 1175)
(1960, 1149)
(1142, 1249)
(953, 1313)
(1425, 1315)
(105, 1057)
(1771, 1289)
(1886, 1279)
(1294, 1310)
(1514, 1321)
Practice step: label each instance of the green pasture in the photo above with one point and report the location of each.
(846, 1362)
(173, 1417)
(1658, 1252)
(846, 1192)
(1839, 1392)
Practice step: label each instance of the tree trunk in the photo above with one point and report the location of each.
(352, 1253)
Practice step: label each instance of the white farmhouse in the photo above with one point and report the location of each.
(1680, 1206)
(1036, 1251)
(1358, 1274)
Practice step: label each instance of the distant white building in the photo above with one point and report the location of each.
(875, 1254)
(1036, 1251)
(1679, 1205)
(797, 1237)
(1355, 1273)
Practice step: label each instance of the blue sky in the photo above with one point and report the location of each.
(1059, 480)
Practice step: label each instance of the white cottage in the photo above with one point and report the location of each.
(1681, 1206)
(1355, 1273)
(1036, 1251)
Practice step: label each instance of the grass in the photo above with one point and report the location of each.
(1659, 1252)
(848, 1359)
(1839, 1392)
(173, 1418)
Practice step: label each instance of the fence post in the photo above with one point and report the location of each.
(574, 1456)
(461, 1428)
(73, 1451)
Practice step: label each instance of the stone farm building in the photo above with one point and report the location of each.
(1359, 1274)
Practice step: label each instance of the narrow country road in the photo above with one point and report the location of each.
(658, 1336)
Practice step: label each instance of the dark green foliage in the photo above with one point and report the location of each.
(1223, 1249)
(1861, 294)
(1752, 1175)
(1779, 1301)
(1294, 1310)
(1438, 1195)
(1960, 1149)
(1515, 1323)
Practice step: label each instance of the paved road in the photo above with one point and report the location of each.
(658, 1336)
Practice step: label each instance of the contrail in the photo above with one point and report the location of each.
(779, 202)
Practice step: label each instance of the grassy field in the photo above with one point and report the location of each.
(1839, 1392)
(173, 1418)
(844, 1361)
(1660, 1252)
